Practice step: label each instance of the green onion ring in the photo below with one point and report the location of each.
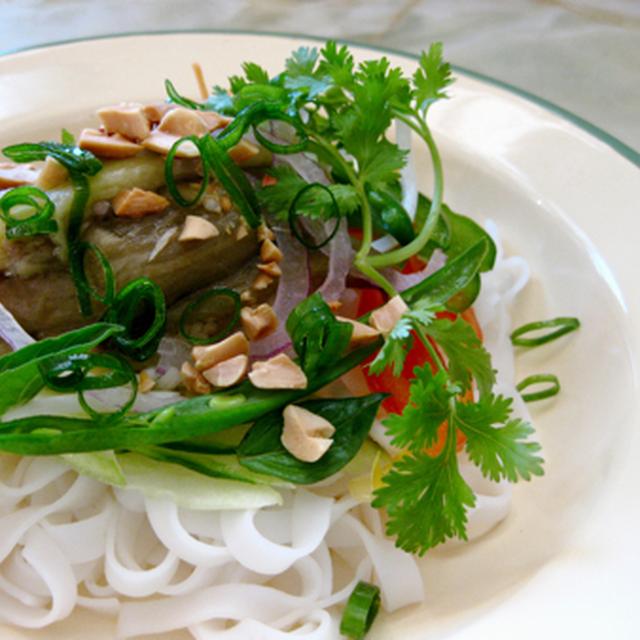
(124, 311)
(71, 373)
(170, 179)
(176, 98)
(38, 223)
(213, 293)
(82, 282)
(564, 325)
(539, 378)
(361, 611)
(293, 214)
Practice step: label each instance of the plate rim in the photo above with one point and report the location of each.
(603, 136)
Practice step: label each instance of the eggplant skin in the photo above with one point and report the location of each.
(46, 304)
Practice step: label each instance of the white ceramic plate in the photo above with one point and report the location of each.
(565, 563)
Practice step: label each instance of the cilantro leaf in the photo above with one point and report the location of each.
(255, 73)
(426, 500)
(337, 62)
(399, 342)
(432, 77)
(500, 451)
(277, 198)
(428, 407)
(466, 356)
(302, 61)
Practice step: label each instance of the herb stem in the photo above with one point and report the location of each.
(404, 253)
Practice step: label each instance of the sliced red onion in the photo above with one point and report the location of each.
(293, 288)
(304, 166)
(11, 332)
(173, 352)
(403, 281)
(340, 260)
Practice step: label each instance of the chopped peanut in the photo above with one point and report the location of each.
(155, 112)
(334, 305)
(362, 333)
(137, 203)
(225, 203)
(198, 228)
(279, 372)
(269, 252)
(193, 380)
(247, 296)
(271, 269)
(261, 282)
(161, 142)
(228, 372)
(264, 233)
(129, 120)
(244, 152)
(14, 175)
(105, 146)
(52, 175)
(306, 435)
(386, 317)
(260, 322)
(145, 382)
(209, 355)
(182, 122)
(213, 120)
(242, 232)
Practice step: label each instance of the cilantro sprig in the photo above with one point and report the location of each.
(344, 110)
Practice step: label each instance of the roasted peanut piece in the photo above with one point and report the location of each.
(156, 111)
(244, 153)
(362, 333)
(258, 323)
(271, 269)
(306, 435)
(198, 228)
(334, 305)
(247, 297)
(137, 203)
(269, 252)
(386, 317)
(14, 175)
(241, 232)
(182, 122)
(193, 380)
(279, 372)
(213, 120)
(128, 119)
(264, 233)
(52, 175)
(261, 282)
(105, 146)
(209, 355)
(145, 382)
(228, 372)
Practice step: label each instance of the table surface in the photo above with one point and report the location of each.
(583, 55)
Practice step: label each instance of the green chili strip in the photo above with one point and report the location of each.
(170, 178)
(361, 610)
(193, 306)
(536, 379)
(564, 326)
(82, 282)
(141, 309)
(232, 179)
(293, 212)
(38, 223)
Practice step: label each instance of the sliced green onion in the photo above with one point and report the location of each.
(256, 114)
(176, 98)
(361, 610)
(73, 373)
(551, 390)
(564, 326)
(199, 301)
(38, 223)
(82, 282)
(170, 178)
(141, 309)
(72, 158)
(293, 212)
(232, 179)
